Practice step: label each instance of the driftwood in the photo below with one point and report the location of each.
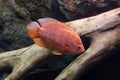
(101, 43)
(92, 25)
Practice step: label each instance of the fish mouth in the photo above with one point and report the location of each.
(80, 50)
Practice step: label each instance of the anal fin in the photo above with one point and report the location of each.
(57, 53)
(39, 42)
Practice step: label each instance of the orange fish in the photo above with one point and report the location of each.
(55, 35)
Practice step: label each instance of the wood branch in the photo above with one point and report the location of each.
(22, 59)
(32, 54)
(100, 22)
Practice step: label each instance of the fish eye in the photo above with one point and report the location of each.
(78, 47)
(67, 46)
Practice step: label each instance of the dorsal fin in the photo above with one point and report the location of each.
(44, 21)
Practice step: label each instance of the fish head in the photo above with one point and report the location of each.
(74, 44)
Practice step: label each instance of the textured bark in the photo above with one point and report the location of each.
(17, 58)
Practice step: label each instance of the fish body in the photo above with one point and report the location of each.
(55, 35)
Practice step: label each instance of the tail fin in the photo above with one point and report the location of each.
(33, 29)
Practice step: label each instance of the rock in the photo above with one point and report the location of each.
(14, 16)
